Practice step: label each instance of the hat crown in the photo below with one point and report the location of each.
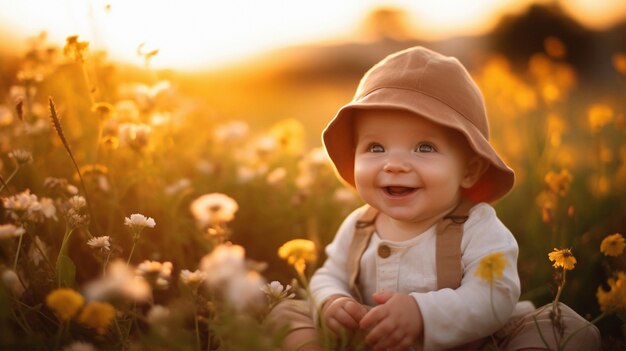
(427, 72)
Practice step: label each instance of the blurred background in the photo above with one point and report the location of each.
(553, 74)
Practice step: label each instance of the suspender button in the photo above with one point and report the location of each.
(384, 251)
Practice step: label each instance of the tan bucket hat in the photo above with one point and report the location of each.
(430, 85)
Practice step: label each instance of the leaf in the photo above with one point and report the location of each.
(66, 271)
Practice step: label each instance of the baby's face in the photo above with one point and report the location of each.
(407, 167)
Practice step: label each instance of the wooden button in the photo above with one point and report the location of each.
(384, 251)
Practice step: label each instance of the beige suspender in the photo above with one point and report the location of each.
(448, 247)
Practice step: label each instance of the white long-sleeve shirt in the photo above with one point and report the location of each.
(451, 317)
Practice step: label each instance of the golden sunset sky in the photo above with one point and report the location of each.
(206, 33)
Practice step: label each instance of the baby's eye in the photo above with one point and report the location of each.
(425, 148)
(376, 148)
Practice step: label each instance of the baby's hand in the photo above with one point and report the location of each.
(342, 314)
(395, 324)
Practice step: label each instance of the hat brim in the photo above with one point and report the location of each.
(338, 137)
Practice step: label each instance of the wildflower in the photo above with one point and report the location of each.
(119, 282)
(21, 157)
(92, 170)
(134, 135)
(223, 263)
(59, 185)
(77, 202)
(231, 131)
(177, 186)
(139, 221)
(64, 302)
(289, 135)
(559, 183)
(79, 346)
(345, 196)
(158, 318)
(47, 208)
(275, 291)
(491, 267)
(318, 156)
(127, 110)
(298, 252)
(23, 206)
(598, 116)
(613, 300)
(244, 291)
(75, 49)
(8, 231)
(38, 251)
(12, 282)
(276, 176)
(75, 219)
(103, 243)
(613, 245)
(192, 279)
(98, 316)
(103, 110)
(156, 272)
(213, 209)
(265, 145)
(562, 258)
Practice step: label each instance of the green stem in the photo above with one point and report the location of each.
(106, 262)
(594, 321)
(6, 182)
(195, 317)
(559, 291)
(17, 253)
(493, 309)
(131, 252)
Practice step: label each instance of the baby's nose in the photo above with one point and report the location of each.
(396, 162)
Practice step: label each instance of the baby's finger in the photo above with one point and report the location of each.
(346, 319)
(390, 341)
(373, 317)
(379, 333)
(356, 310)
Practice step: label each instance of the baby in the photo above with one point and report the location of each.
(401, 272)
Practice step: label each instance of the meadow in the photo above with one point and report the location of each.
(137, 214)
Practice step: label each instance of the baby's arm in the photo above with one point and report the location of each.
(395, 324)
(477, 308)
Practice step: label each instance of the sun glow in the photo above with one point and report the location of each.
(194, 33)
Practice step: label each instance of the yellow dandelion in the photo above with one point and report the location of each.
(491, 266)
(613, 245)
(613, 300)
(98, 316)
(598, 116)
(298, 253)
(289, 135)
(562, 258)
(559, 183)
(64, 302)
(619, 62)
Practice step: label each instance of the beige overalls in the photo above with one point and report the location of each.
(519, 332)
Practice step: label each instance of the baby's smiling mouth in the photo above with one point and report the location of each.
(399, 190)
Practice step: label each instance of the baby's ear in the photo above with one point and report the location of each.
(476, 167)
